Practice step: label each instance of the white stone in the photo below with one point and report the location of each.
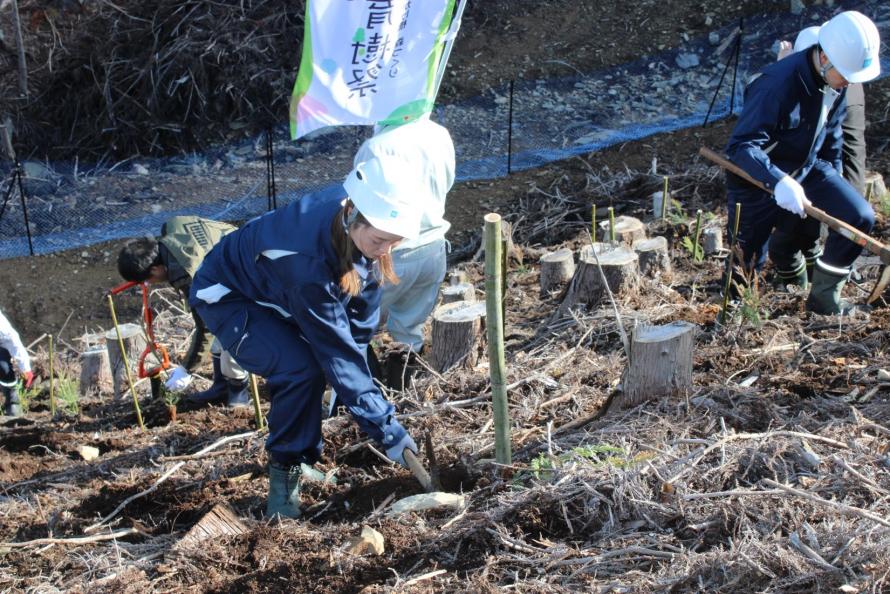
(369, 542)
(88, 453)
(426, 501)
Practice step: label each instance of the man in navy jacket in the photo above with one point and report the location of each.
(789, 138)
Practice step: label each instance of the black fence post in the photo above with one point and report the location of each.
(510, 133)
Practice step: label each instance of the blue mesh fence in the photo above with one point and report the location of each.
(70, 205)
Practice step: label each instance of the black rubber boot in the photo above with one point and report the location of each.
(237, 394)
(284, 491)
(217, 391)
(12, 406)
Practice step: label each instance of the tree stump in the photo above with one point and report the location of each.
(557, 269)
(655, 260)
(513, 254)
(459, 292)
(875, 189)
(627, 230)
(457, 334)
(620, 268)
(712, 240)
(134, 344)
(95, 371)
(457, 277)
(660, 363)
(586, 252)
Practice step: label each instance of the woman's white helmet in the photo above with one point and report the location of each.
(852, 44)
(384, 190)
(401, 173)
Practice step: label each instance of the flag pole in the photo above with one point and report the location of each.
(453, 28)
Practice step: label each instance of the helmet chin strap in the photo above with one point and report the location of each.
(349, 217)
(824, 68)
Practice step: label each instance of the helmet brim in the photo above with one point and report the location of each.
(866, 74)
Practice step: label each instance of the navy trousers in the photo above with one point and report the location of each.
(266, 344)
(825, 188)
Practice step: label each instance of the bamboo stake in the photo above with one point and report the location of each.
(255, 396)
(495, 327)
(612, 235)
(664, 199)
(732, 244)
(120, 342)
(593, 219)
(695, 252)
(52, 393)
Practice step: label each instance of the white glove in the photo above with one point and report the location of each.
(791, 197)
(178, 380)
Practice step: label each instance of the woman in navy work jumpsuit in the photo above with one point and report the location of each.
(294, 296)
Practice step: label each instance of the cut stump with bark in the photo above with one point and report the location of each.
(621, 271)
(655, 260)
(134, 343)
(457, 334)
(660, 363)
(627, 230)
(95, 371)
(557, 269)
(875, 188)
(458, 292)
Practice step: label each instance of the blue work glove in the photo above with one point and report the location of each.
(396, 452)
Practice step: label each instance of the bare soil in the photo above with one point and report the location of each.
(770, 474)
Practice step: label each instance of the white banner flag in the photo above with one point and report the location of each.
(368, 62)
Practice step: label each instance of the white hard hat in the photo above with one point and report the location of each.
(426, 145)
(851, 42)
(806, 38)
(384, 189)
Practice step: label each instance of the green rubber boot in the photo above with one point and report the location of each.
(825, 294)
(797, 277)
(284, 491)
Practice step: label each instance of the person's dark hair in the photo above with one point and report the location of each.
(136, 259)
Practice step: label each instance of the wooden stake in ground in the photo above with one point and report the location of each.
(660, 363)
(557, 269)
(655, 260)
(52, 393)
(496, 362)
(456, 334)
(255, 395)
(126, 363)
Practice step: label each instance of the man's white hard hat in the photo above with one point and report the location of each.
(852, 44)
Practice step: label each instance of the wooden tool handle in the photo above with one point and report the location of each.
(418, 470)
(850, 232)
